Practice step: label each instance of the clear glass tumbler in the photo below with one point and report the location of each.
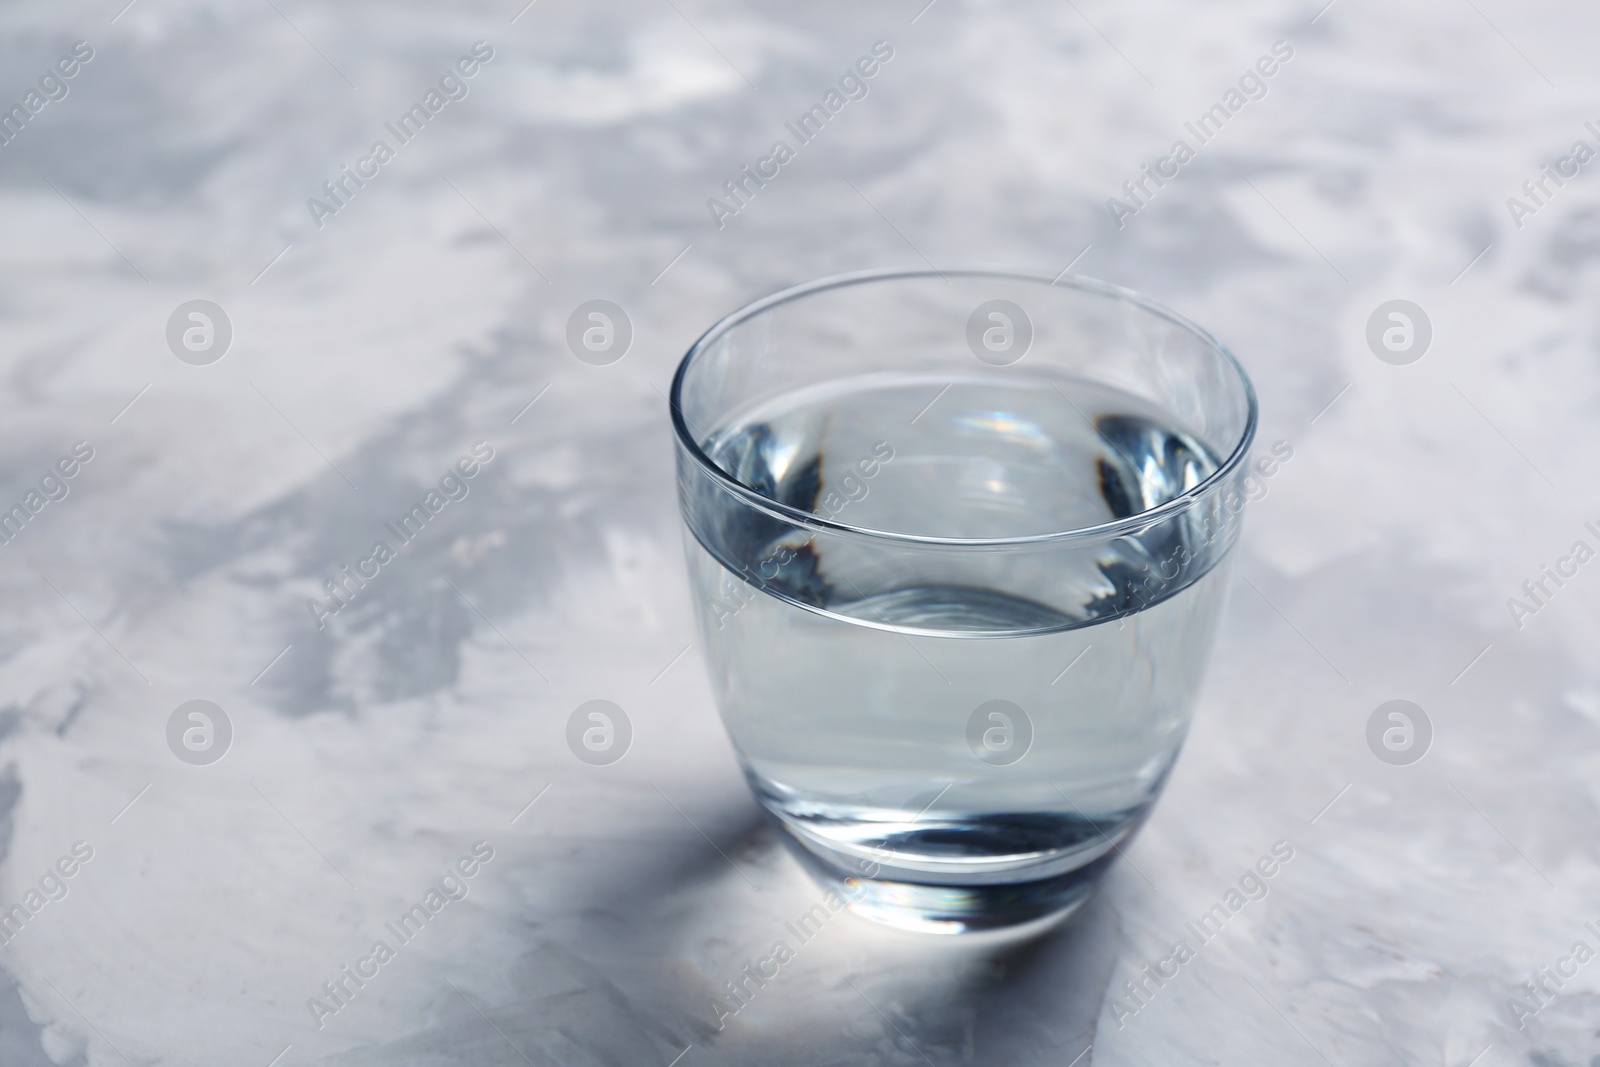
(958, 542)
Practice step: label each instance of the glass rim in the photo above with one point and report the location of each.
(809, 520)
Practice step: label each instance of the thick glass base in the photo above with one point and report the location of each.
(910, 893)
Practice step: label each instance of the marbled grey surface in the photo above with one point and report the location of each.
(371, 352)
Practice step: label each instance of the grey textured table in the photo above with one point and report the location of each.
(174, 911)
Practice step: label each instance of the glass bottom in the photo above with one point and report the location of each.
(883, 886)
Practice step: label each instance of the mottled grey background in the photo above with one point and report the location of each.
(372, 352)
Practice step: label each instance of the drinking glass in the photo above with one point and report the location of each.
(958, 544)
